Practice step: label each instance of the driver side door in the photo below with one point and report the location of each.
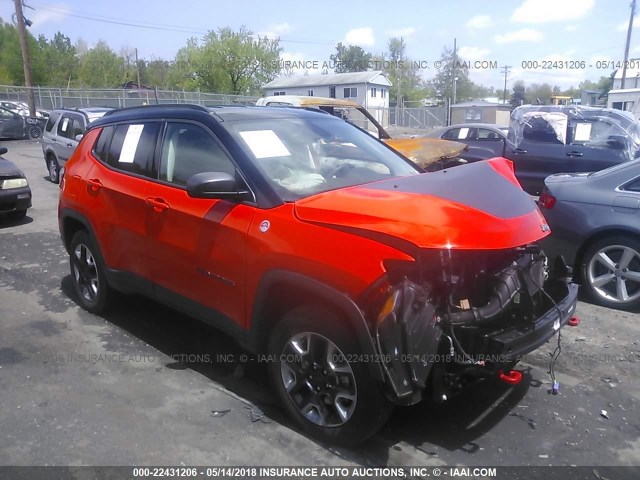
(197, 245)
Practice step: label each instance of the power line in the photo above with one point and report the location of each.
(153, 26)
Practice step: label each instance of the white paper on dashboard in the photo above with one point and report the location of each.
(583, 132)
(265, 143)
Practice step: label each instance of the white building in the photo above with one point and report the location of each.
(370, 89)
(627, 98)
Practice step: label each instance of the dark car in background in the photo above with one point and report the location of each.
(595, 225)
(15, 194)
(483, 140)
(15, 126)
(63, 131)
(547, 139)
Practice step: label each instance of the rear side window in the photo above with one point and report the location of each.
(53, 117)
(129, 147)
(633, 186)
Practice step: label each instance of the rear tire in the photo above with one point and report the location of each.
(34, 132)
(87, 274)
(54, 169)
(610, 270)
(331, 398)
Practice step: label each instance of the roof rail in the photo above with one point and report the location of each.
(160, 105)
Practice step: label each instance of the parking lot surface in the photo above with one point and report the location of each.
(145, 385)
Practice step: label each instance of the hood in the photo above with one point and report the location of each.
(424, 150)
(9, 169)
(471, 207)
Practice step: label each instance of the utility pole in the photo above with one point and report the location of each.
(455, 61)
(22, 33)
(137, 69)
(504, 92)
(626, 47)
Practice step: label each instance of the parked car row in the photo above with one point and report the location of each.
(15, 194)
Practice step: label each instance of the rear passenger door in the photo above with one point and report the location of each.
(197, 245)
(117, 186)
(539, 153)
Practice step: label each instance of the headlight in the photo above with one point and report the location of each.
(13, 183)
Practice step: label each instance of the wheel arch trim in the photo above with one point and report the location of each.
(261, 325)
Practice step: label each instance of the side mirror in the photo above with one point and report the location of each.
(617, 142)
(79, 137)
(3, 150)
(216, 185)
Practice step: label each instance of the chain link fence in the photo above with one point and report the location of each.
(47, 98)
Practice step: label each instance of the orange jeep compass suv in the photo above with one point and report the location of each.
(364, 280)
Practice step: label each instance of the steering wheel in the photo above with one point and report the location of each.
(340, 171)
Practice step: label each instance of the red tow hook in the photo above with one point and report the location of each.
(512, 377)
(574, 321)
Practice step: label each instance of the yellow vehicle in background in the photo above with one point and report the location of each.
(422, 150)
(560, 100)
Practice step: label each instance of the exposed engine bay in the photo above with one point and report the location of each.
(454, 316)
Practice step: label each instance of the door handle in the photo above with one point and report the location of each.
(69, 144)
(158, 204)
(94, 184)
(519, 151)
(574, 154)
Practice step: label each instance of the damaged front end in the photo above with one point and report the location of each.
(454, 316)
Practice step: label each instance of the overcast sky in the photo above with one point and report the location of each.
(507, 31)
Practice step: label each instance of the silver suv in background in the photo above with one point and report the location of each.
(62, 133)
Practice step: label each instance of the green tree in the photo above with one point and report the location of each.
(518, 97)
(59, 59)
(228, 62)
(350, 58)
(448, 72)
(403, 73)
(100, 67)
(540, 94)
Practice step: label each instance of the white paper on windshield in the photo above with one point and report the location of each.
(65, 124)
(462, 134)
(265, 143)
(583, 132)
(130, 144)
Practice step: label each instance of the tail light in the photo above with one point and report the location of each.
(547, 200)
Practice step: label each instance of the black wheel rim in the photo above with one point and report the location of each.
(318, 379)
(85, 272)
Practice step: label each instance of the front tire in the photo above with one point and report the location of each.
(87, 273)
(611, 272)
(330, 397)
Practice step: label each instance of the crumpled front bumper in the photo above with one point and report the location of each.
(515, 342)
(422, 347)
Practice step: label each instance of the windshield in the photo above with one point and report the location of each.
(304, 156)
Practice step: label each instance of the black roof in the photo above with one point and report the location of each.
(195, 112)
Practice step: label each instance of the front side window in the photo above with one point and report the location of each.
(304, 156)
(189, 149)
(53, 117)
